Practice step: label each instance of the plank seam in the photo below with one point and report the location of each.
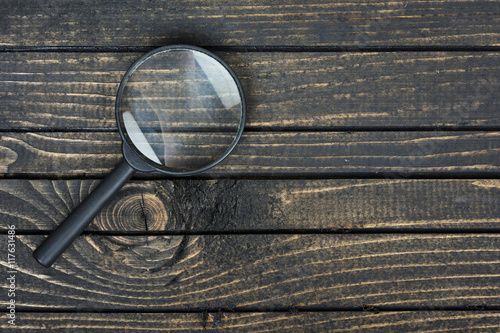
(257, 129)
(256, 48)
(273, 309)
(242, 232)
(271, 176)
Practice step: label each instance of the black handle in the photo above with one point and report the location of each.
(74, 224)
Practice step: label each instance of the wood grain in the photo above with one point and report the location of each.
(262, 272)
(421, 321)
(259, 205)
(388, 154)
(283, 90)
(251, 245)
(241, 22)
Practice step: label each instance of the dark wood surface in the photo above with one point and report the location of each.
(269, 322)
(275, 154)
(203, 206)
(364, 194)
(248, 23)
(264, 271)
(284, 90)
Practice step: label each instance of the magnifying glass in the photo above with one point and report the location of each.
(180, 111)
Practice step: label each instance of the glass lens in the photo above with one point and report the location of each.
(181, 109)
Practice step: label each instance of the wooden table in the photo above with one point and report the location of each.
(364, 194)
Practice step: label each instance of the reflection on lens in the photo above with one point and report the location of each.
(181, 109)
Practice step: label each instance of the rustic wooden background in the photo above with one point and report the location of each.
(364, 194)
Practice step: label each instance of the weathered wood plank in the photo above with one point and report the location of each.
(421, 321)
(262, 272)
(241, 22)
(284, 90)
(273, 205)
(390, 154)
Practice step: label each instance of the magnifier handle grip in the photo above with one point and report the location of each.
(76, 222)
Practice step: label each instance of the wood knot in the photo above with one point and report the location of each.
(136, 208)
(142, 208)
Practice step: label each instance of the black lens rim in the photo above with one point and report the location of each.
(121, 124)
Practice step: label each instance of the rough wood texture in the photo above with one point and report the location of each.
(241, 22)
(251, 245)
(240, 205)
(390, 154)
(262, 272)
(284, 90)
(422, 321)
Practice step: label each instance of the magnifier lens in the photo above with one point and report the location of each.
(181, 110)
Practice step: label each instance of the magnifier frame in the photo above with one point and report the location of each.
(121, 125)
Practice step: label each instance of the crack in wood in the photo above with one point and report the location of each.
(144, 216)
